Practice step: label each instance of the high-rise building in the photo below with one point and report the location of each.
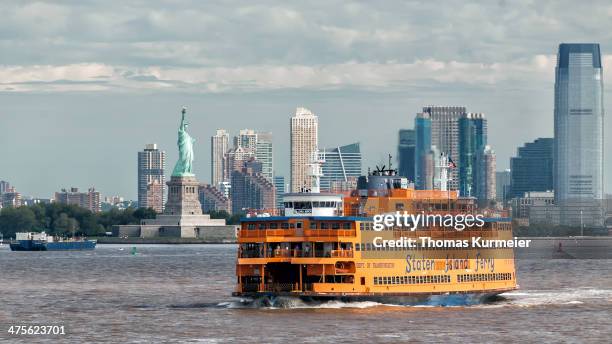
(10, 198)
(502, 185)
(406, 153)
(422, 148)
(4, 186)
(472, 142)
(219, 145)
(578, 150)
(532, 168)
(251, 190)
(280, 189)
(234, 160)
(212, 199)
(445, 135)
(304, 142)
(151, 178)
(344, 186)
(340, 164)
(247, 139)
(485, 177)
(264, 154)
(89, 200)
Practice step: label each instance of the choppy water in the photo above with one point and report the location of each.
(182, 294)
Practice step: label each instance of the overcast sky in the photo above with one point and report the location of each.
(86, 84)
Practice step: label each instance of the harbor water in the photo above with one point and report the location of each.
(182, 294)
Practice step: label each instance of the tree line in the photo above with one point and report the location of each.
(68, 220)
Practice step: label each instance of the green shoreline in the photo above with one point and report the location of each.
(165, 241)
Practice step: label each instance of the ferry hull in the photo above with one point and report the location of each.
(425, 299)
(30, 245)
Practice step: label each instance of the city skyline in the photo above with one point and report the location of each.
(67, 81)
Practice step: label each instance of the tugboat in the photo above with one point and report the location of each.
(325, 247)
(32, 241)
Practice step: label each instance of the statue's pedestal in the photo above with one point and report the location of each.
(183, 197)
(182, 217)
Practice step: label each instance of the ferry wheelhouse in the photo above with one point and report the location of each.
(325, 247)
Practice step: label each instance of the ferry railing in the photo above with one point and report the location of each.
(246, 287)
(275, 287)
(251, 254)
(322, 254)
(281, 253)
(342, 253)
(329, 232)
(260, 233)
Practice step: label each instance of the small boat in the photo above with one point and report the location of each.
(32, 241)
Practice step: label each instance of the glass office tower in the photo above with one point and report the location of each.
(423, 173)
(472, 141)
(341, 164)
(405, 153)
(578, 151)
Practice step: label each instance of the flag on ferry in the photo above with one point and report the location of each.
(451, 163)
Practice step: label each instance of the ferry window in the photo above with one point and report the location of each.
(251, 226)
(324, 225)
(262, 225)
(362, 280)
(302, 205)
(284, 225)
(399, 206)
(298, 225)
(273, 225)
(335, 225)
(315, 204)
(292, 225)
(313, 225)
(346, 225)
(289, 204)
(357, 247)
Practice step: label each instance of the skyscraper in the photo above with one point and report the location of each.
(422, 147)
(341, 163)
(234, 160)
(405, 153)
(280, 189)
(247, 139)
(4, 186)
(445, 135)
(578, 149)
(264, 154)
(212, 199)
(485, 178)
(472, 142)
(532, 168)
(251, 190)
(304, 142)
(219, 145)
(502, 185)
(151, 167)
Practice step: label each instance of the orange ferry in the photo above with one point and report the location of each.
(325, 247)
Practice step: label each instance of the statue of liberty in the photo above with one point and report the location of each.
(184, 164)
